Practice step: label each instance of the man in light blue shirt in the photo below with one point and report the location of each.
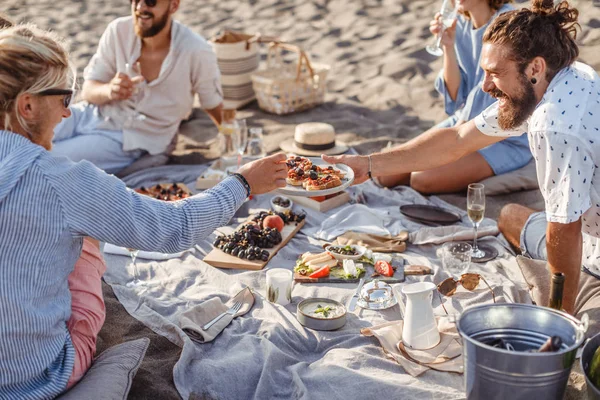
(49, 204)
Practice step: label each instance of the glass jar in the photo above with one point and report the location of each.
(256, 146)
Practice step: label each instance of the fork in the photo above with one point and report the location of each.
(232, 311)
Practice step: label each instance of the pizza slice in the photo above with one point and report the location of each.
(321, 183)
(296, 177)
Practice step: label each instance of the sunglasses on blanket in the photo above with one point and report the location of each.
(469, 281)
(67, 93)
(149, 3)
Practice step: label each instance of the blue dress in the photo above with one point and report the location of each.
(471, 100)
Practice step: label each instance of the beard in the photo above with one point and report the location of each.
(517, 109)
(153, 30)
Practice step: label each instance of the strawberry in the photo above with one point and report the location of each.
(384, 268)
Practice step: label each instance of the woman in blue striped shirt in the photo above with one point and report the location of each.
(48, 205)
(459, 82)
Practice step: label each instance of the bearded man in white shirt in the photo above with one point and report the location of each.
(138, 88)
(529, 60)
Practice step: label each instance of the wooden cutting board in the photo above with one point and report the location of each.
(220, 259)
(396, 278)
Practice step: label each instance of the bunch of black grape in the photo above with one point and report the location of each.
(288, 218)
(248, 241)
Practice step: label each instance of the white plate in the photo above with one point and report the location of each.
(291, 190)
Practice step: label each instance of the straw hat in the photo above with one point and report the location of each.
(313, 139)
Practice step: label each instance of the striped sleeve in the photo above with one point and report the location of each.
(101, 206)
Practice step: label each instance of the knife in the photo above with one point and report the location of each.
(352, 302)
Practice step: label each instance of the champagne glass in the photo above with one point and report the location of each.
(448, 12)
(243, 141)
(136, 275)
(134, 71)
(476, 210)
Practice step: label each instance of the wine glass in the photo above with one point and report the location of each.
(134, 71)
(136, 275)
(448, 12)
(476, 210)
(243, 141)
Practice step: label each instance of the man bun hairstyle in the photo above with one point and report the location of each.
(546, 30)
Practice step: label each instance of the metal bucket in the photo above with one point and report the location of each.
(586, 358)
(493, 373)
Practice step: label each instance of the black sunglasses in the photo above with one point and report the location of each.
(149, 3)
(68, 93)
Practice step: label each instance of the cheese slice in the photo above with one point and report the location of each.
(317, 265)
(308, 257)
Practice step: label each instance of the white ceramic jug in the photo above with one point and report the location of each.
(420, 329)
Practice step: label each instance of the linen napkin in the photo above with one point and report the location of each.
(358, 218)
(443, 234)
(192, 321)
(376, 243)
(445, 357)
(147, 255)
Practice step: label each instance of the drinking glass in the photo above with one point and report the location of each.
(243, 142)
(136, 275)
(456, 257)
(134, 71)
(448, 12)
(279, 286)
(256, 146)
(230, 136)
(476, 211)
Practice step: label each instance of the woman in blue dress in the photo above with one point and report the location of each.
(459, 82)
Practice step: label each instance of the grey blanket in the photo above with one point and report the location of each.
(267, 354)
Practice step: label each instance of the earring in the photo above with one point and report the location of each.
(533, 80)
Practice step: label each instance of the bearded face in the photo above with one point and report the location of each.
(148, 24)
(514, 110)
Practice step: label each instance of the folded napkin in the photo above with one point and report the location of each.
(376, 243)
(192, 321)
(457, 233)
(147, 255)
(358, 218)
(445, 357)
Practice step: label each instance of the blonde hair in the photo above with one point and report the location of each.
(31, 61)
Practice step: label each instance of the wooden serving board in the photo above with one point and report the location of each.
(397, 278)
(220, 259)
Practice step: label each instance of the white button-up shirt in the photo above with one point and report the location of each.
(564, 137)
(150, 119)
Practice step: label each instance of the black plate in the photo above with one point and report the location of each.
(490, 253)
(429, 213)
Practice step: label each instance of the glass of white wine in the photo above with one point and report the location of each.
(136, 275)
(448, 12)
(135, 71)
(476, 211)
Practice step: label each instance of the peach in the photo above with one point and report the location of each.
(273, 221)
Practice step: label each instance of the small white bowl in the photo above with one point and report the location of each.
(360, 249)
(281, 209)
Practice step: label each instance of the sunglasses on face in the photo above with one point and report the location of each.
(468, 281)
(67, 93)
(149, 3)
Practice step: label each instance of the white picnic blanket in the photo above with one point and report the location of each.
(266, 353)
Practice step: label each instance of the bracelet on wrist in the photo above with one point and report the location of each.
(244, 182)
(370, 173)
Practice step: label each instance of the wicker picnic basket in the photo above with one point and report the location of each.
(285, 88)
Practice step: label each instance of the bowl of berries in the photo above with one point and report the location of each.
(281, 204)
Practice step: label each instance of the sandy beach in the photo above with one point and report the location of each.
(380, 89)
(381, 80)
